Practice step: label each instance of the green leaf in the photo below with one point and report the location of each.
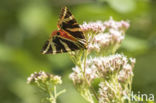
(122, 6)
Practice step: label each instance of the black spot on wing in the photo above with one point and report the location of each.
(58, 33)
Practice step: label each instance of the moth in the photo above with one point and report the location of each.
(68, 37)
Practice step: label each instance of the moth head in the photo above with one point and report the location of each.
(55, 33)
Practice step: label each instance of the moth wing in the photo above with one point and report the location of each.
(68, 23)
(59, 45)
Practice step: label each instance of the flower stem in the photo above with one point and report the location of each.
(51, 98)
(85, 59)
(59, 93)
(84, 73)
(54, 91)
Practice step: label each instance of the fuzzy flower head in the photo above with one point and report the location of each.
(122, 25)
(42, 77)
(120, 70)
(106, 94)
(104, 36)
(104, 67)
(94, 27)
(77, 75)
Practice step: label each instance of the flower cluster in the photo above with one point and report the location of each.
(99, 26)
(93, 27)
(113, 71)
(43, 77)
(104, 67)
(103, 36)
(116, 25)
(106, 93)
(105, 77)
(47, 83)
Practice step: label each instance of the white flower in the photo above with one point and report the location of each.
(125, 24)
(122, 77)
(42, 77)
(95, 27)
(112, 73)
(99, 38)
(127, 67)
(101, 67)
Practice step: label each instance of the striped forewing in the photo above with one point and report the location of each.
(69, 24)
(60, 45)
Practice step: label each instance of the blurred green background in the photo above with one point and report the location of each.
(26, 24)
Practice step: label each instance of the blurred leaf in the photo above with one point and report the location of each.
(133, 44)
(25, 92)
(5, 53)
(122, 6)
(22, 60)
(34, 17)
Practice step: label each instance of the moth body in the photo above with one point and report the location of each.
(68, 37)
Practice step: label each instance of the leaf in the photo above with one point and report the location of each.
(122, 6)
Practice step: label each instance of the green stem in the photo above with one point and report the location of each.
(84, 74)
(59, 93)
(85, 59)
(51, 98)
(55, 92)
